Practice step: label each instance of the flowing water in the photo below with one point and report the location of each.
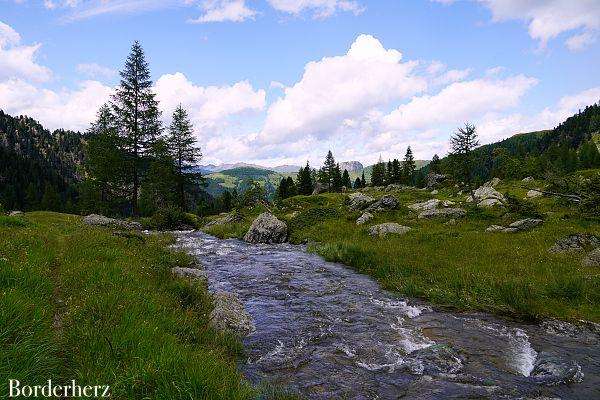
(326, 332)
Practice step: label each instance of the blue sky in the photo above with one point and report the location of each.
(282, 81)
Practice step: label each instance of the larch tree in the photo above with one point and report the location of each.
(408, 166)
(185, 152)
(137, 116)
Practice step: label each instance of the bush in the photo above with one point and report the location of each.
(169, 218)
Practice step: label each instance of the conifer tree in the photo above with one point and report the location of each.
(435, 164)
(346, 180)
(396, 171)
(463, 142)
(363, 181)
(357, 183)
(336, 178)
(409, 166)
(137, 116)
(305, 180)
(327, 173)
(378, 173)
(183, 149)
(387, 178)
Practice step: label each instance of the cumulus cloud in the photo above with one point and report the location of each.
(319, 8)
(225, 10)
(17, 60)
(335, 89)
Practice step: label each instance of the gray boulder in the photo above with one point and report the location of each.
(266, 228)
(528, 179)
(358, 201)
(101, 220)
(592, 259)
(552, 370)
(15, 213)
(517, 226)
(492, 183)
(394, 187)
(364, 218)
(192, 273)
(383, 204)
(319, 188)
(230, 315)
(434, 180)
(443, 213)
(533, 193)
(388, 228)
(426, 205)
(486, 196)
(574, 243)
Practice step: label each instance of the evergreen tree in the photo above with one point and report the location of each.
(346, 180)
(182, 146)
(378, 173)
(589, 157)
(463, 142)
(396, 171)
(363, 181)
(387, 177)
(408, 166)
(291, 187)
(50, 199)
(305, 181)
(137, 116)
(435, 164)
(160, 184)
(282, 190)
(336, 178)
(328, 171)
(357, 183)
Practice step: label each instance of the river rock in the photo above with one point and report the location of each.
(384, 204)
(15, 213)
(364, 218)
(266, 228)
(592, 259)
(517, 226)
(359, 201)
(574, 243)
(192, 273)
(438, 359)
(533, 193)
(230, 315)
(552, 370)
(443, 213)
(319, 188)
(101, 220)
(388, 228)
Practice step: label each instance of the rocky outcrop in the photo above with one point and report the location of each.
(533, 193)
(191, 273)
(358, 201)
(364, 218)
(430, 205)
(384, 204)
(517, 226)
(592, 259)
(266, 228)
(319, 188)
(574, 243)
(230, 315)
(100, 220)
(486, 196)
(388, 228)
(443, 213)
(435, 180)
(552, 370)
(492, 183)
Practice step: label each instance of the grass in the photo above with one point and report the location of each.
(459, 266)
(81, 303)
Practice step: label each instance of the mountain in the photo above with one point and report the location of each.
(287, 169)
(351, 166)
(237, 179)
(36, 165)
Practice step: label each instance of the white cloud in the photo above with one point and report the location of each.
(18, 61)
(95, 8)
(69, 109)
(320, 8)
(337, 88)
(581, 41)
(225, 10)
(93, 70)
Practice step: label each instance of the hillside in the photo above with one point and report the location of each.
(237, 179)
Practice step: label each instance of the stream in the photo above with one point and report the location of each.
(325, 331)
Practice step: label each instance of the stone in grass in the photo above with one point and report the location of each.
(230, 315)
(533, 193)
(443, 213)
(387, 228)
(364, 218)
(266, 228)
(101, 220)
(358, 201)
(592, 259)
(517, 226)
(15, 213)
(383, 204)
(575, 243)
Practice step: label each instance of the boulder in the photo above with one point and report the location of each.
(553, 370)
(192, 273)
(230, 315)
(394, 187)
(434, 192)
(443, 213)
(533, 193)
(434, 180)
(266, 228)
(426, 205)
(364, 218)
(388, 228)
(383, 204)
(492, 183)
(15, 213)
(319, 188)
(528, 179)
(592, 259)
(486, 196)
(101, 220)
(574, 243)
(517, 226)
(489, 203)
(359, 201)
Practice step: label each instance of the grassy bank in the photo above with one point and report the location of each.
(461, 265)
(82, 303)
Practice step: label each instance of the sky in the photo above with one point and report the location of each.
(283, 81)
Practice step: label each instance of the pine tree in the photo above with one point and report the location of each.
(346, 180)
(408, 166)
(435, 164)
(182, 146)
(463, 142)
(363, 181)
(291, 187)
(378, 173)
(138, 117)
(305, 181)
(282, 190)
(336, 178)
(50, 198)
(160, 184)
(357, 183)
(327, 172)
(387, 177)
(396, 171)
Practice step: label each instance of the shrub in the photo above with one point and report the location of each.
(590, 194)
(167, 218)
(520, 207)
